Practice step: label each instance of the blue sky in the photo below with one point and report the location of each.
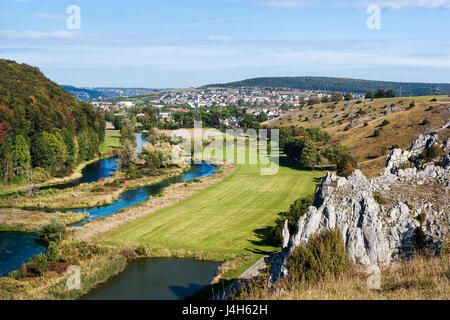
(172, 43)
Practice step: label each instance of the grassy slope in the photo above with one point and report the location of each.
(404, 128)
(233, 216)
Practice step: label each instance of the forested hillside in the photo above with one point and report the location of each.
(42, 126)
(342, 85)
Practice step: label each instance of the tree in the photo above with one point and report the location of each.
(5, 130)
(41, 153)
(119, 122)
(390, 93)
(262, 117)
(346, 166)
(56, 143)
(369, 95)
(21, 153)
(335, 153)
(152, 159)
(380, 94)
(336, 97)
(309, 156)
(293, 149)
(126, 154)
(313, 100)
(325, 99)
(6, 158)
(348, 97)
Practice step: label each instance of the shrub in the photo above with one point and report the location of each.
(40, 175)
(422, 218)
(376, 133)
(420, 238)
(425, 122)
(385, 123)
(129, 254)
(323, 256)
(53, 252)
(141, 250)
(297, 209)
(379, 198)
(434, 151)
(346, 165)
(54, 231)
(19, 274)
(39, 264)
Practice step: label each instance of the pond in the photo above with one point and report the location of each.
(16, 248)
(157, 279)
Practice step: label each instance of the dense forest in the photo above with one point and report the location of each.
(44, 130)
(341, 85)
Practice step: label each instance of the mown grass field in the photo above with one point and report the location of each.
(233, 216)
(112, 141)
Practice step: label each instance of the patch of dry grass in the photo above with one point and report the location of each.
(28, 221)
(370, 152)
(419, 279)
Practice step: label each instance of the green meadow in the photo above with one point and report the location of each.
(231, 217)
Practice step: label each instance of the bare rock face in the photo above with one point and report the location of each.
(373, 233)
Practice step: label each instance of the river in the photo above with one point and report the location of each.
(145, 279)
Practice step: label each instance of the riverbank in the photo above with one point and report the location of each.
(170, 196)
(97, 265)
(104, 262)
(111, 143)
(87, 195)
(28, 221)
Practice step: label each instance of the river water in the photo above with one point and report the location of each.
(16, 248)
(157, 279)
(145, 279)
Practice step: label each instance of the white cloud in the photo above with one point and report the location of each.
(385, 4)
(50, 16)
(34, 34)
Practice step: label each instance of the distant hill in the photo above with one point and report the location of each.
(42, 125)
(341, 85)
(83, 94)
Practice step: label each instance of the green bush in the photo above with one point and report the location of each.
(434, 151)
(379, 198)
(425, 122)
(420, 238)
(422, 218)
(385, 123)
(54, 231)
(141, 250)
(376, 133)
(297, 209)
(323, 256)
(40, 263)
(53, 252)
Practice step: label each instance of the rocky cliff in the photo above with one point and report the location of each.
(378, 217)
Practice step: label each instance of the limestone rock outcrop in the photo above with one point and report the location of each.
(374, 231)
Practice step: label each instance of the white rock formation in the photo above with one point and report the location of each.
(375, 234)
